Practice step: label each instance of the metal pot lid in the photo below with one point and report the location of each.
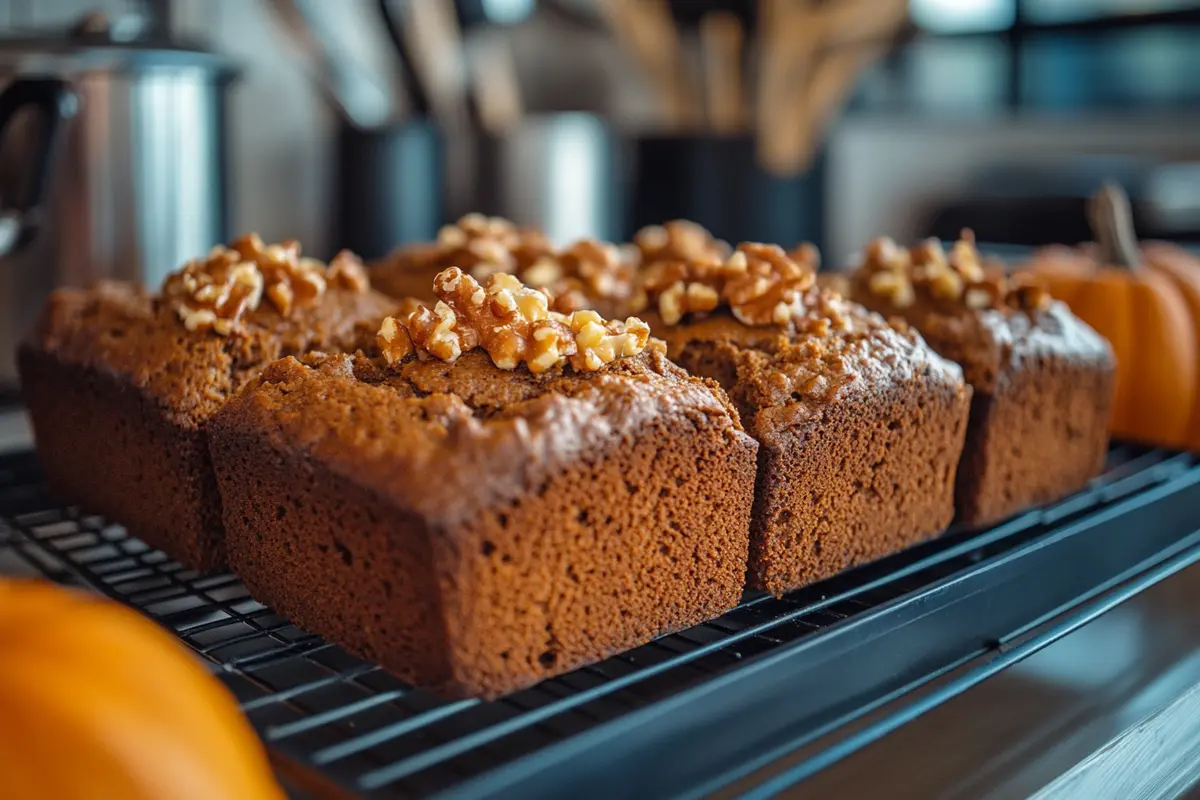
(124, 43)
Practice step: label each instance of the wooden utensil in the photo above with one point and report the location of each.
(824, 49)
(495, 85)
(435, 44)
(721, 38)
(648, 31)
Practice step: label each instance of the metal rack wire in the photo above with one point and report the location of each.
(371, 734)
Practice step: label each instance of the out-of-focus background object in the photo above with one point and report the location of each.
(112, 157)
(1146, 301)
(367, 123)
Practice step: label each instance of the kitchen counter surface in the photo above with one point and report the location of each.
(1112, 710)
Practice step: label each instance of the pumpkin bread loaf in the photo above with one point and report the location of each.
(860, 426)
(120, 383)
(587, 274)
(492, 495)
(1043, 380)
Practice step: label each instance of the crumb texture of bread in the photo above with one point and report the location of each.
(478, 531)
(119, 393)
(860, 428)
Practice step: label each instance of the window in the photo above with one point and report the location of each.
(963, 16)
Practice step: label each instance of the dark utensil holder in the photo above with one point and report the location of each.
(717, 182)
(389, 187)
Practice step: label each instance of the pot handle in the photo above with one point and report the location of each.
(21, 216)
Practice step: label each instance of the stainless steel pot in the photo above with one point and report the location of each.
(560, 172)
(112, 165)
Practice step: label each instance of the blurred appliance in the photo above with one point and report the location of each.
(112, 161)
(560, 172)
(1045, 203)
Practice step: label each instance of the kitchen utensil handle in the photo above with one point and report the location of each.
(57, 103)
(411, 79)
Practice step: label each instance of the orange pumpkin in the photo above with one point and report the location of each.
(98, 702)
(1146, 302)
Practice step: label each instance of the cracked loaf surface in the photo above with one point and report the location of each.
(860, 424)
(475, 528)
(121, 383)
(1043, 380)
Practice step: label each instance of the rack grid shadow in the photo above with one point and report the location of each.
(770, 673)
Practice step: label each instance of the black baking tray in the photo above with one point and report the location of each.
(683, 716)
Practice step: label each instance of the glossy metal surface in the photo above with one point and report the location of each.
(137, 186)
(559, 172)
(1109, 711)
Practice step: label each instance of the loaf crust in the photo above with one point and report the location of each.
(860, 429)
(476, 530)
(1043, 385)
(119, 393)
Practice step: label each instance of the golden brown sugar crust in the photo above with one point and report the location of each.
(538, 522)
(860, 428)
(106, 362)
(1042, 384)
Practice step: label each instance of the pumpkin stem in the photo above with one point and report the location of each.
(1112, 224)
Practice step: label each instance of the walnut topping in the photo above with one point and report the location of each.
(513, 323)
(394, 341)
(956, 278)
(771, 291)
(1027, 293)
(759, 283)
(586, 271)
(895, 286)
(485, 246)
(346, 270)
(215, 293)
(679, 240)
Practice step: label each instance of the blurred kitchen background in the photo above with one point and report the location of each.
(184, 121)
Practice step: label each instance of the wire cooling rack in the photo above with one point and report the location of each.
(831, 650)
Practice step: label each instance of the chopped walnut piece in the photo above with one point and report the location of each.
(1027, 293)
(759, 283)
(544, 273)
(895, 286)
(394, 341)
(585, 272)
(346, 270)
(213, 294)
(514, 324)
(604, 270)
(600, 342)
(678, 240)
(771, 291)
(806, 255)
(485, 246)
(955, 278)
(946, 285)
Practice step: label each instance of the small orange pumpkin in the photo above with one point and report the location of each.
(1146, 302)
(98, 702)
